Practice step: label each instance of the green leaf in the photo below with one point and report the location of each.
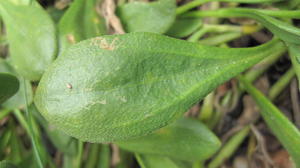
(284, 130)
(116, 87)
(155, 161)
(294, 52)
(186, 139)
(156, 17)
(80, 22)
(9, 85)
(18, 100)
(7, 164)
(31, 37)
(184, 27)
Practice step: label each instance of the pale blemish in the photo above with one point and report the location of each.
(104, 44)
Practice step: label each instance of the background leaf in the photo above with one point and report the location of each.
(155, 17)
(18, 100)
(184, 27)
(186, 139)
(31, 37)
(81, 21)
(155, 161)
(9, 85)
(117, 87)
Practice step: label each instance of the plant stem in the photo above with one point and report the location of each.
(197, 35)
(79, 155)
(229, 148)
(213, 28)
(242, 12)
(186, 7)
(277, 88)
(221, 38)
(30, 129)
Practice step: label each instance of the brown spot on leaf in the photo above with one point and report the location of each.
(71, 38)
(69, 86)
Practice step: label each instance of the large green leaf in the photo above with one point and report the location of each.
(31, 37)
(186, 139)
(155, 17)
(9, 85)
(155, 161)
(116, 87)
(284, 130)
(80, 21)
(18, 100)
(6, 164)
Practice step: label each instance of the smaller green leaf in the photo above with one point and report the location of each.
(18, 100)
(186, 139)
(284, 130)
(9, 85)
(81, 21)
(7, 164)
(156, 17)
(184, 27)
(32, 38)
(156, 161)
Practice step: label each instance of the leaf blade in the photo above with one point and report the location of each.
(130, 85)
(31, 51)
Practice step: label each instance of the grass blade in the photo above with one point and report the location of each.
(284, 130)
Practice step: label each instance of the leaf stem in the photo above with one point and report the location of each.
(242, 12)
(284, 130)
(79, 155)
(30, 129)
(229, 148)
(186, 7)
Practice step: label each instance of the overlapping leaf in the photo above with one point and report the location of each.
(184, 27)
(155, 17)
(9, 85)
(18, 100)
(80, 21)
(186, 139)
(117, 87)
(31, 36)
